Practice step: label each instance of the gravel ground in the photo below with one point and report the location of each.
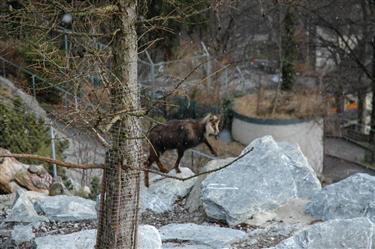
(257, 237)
(267, 237)
(178, 215)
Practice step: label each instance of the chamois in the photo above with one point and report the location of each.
(180, 135)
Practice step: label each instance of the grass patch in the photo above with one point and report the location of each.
(295, 104)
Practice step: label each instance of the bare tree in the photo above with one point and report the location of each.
(120, 187)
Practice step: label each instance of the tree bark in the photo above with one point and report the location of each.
(372, 131)
(118, 210)
(361, 94)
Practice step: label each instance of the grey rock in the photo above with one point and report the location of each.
(148, 238)
(67, 208)
(338, 234)
(184, 246)
(80, 240)
(349, 198)
(260, 182)
(22, 233)
(194, 201)
(200, 235)
(23, 211)
(306, 180)
(36, 169)
(58, 187)
(163, 192)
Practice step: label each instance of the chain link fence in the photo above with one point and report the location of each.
(205, 73)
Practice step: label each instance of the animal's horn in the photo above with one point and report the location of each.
(206, 118)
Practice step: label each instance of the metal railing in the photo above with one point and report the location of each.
(67, 96)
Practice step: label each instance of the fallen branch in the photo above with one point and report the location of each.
(101, 166)
(52, 161)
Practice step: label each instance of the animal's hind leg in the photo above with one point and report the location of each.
(161, 166)
(176, 165)
(154, 156)
(148, 166)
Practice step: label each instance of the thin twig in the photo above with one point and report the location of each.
(196, 175)
(101, 166)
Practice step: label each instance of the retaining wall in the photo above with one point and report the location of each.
(308, 134)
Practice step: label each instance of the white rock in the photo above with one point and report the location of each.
(148, 237)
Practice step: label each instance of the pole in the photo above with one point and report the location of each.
(242, 78)
(53, 150)
(209, 69)
(152, 74)
(66, 46)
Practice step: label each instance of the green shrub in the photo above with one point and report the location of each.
(21, 132)
(95, 187)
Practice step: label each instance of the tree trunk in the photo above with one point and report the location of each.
(361, 94)
(119, 201)
(372, 131)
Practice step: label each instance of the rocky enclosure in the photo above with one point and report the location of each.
(270, 198)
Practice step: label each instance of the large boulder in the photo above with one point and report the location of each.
(349, 198)
(149, 238)
(338, 234)
(32, 206)
(260, 182)
(194, 199)
(14, 174)
(66, 208)
(200, 235)
(23, 211)
(163, 192)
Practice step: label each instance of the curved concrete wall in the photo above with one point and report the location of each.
(308, 134)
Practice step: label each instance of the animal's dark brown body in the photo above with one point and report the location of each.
(180, 135)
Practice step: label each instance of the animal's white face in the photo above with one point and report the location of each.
(212, 125)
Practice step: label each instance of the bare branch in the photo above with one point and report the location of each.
(57, 162)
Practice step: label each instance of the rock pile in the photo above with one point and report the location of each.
(270, 197)
(31, 207)
(15, 175)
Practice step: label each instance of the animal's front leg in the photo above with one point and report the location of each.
(213, 151)
(176, 165)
